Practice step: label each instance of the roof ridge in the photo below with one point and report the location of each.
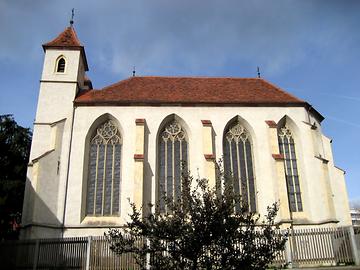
(196, 77)
(75, 34)
(173, 77)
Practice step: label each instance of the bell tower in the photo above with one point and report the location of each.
(63, 76)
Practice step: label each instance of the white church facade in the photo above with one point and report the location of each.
(94, 150)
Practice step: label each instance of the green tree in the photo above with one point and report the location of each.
(15, 144)
(201, 230)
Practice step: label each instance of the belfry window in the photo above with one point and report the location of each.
(172, 153)
(103, 193)
(238, 163)
(287, 149)
(60, 65)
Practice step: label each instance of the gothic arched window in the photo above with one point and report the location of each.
(103, 193)
(238, 162)
(287, 149)
(172, 156)
(60, 67)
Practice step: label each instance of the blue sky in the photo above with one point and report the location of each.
(309, 48)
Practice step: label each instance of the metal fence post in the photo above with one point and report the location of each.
(147, 254)
(88, 253)
(354, 248)
(36, 254)
(288, 253)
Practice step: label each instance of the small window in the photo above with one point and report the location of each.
(60, 65)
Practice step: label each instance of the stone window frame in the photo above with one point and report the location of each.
(97, 138)
(57, 64)
(239, 131)
(291, 158)
(168, 133)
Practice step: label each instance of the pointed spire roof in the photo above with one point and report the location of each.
(67, 40)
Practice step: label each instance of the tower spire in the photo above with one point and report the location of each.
(72, 18)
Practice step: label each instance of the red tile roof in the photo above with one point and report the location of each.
(67, 40)
(189, 90)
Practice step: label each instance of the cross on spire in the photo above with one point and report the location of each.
(72, 17)
(258, 72)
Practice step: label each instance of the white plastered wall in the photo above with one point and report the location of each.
(339, 193)
(310, 168)
(54, 182)
(47, 173)
(74, 67)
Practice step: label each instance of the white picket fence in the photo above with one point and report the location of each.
(323, 246)
(305, 247)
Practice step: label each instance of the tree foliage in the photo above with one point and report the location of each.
(201, 230)
(15, 144)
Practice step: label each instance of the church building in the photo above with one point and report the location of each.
(93, 150)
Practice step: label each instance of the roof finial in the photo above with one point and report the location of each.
(133, 71)
(72, 18)
(258, 72)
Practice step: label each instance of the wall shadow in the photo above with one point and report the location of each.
(38, 220)
(148, 175)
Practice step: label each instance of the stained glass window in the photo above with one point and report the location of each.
(103, 196)
(172, 157)
(238, 162)
(287, 149)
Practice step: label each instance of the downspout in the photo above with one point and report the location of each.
(67, 173)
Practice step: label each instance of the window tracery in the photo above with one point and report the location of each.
(238, 162)
(287, 149)
(103, 196)
(172, 157)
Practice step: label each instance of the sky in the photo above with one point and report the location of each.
(309, 48)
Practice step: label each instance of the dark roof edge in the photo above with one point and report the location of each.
(312, 110)
(306, 105)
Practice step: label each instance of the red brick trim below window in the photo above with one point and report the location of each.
(278, 156)
(206, 122)
(140, 121)
(271, 123)
(209, 156)
(139, 157)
